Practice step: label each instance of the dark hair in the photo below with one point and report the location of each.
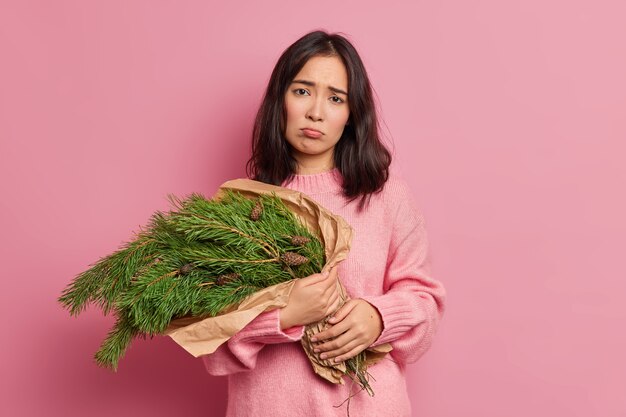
(359, 155)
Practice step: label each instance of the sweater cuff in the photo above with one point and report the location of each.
(398, 316)
(265, 328)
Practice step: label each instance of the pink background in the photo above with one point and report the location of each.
(507, 119)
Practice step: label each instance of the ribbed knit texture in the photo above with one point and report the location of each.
(388, 266)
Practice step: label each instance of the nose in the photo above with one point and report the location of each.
(315, 110)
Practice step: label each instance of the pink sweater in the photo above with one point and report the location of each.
(388, 266)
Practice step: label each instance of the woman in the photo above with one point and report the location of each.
(317, 132)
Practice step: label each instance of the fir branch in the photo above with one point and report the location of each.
(117, 341)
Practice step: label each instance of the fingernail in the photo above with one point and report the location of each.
(316, 350)
(314, 339)
(323, 356)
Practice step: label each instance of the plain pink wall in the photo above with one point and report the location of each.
(507, 117)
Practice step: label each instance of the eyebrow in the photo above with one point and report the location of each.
(312, 84)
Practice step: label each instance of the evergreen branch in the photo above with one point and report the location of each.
(82, 290)
(157, 279)
(216, 225)
(134, 248)
(117, 341)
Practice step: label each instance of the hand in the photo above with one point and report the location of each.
(354, 328)
(312, 299)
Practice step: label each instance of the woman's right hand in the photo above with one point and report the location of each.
(312, 298)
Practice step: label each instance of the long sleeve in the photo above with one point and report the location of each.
(412, 303)
(240, 352)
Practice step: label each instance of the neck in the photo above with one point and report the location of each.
(318, 169)
(314, 164)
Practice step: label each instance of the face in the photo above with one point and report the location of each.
(316, 103)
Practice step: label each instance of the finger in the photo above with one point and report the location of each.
(322, 279)
(333, 271)
(330, 293)
(331, 279)
(333, 304)
(341, 350)
(333, 344)
(316, 278)
(330, 333)
(328, 269)
(343, 312)
(351, 354)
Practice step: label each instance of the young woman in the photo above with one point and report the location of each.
(317, 132)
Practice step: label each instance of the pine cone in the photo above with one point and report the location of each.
(299, 240)
(256, 211)
(185, 269)
(226, 278)
(293, 259)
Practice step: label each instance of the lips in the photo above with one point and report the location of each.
(311, 133)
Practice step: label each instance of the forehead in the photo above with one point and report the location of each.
(325, 70)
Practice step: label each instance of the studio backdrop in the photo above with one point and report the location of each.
(507, 119)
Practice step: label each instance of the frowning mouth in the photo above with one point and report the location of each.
(311, 133)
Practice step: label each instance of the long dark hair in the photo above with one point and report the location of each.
(360, 156)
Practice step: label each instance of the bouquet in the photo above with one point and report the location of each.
(202, 271)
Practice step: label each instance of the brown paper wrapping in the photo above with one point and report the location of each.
(202, 336)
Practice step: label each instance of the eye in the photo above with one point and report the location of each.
(298, 91)
(339, 99)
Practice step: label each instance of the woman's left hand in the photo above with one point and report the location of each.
(356, 325)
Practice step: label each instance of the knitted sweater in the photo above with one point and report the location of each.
(388, 266)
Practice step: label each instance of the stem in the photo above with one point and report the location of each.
(134, 249)
(130, 252)
(267, 247)
(243, 261)
(154, 281)
(172, 285)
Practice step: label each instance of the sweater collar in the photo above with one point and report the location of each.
(322, 182)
